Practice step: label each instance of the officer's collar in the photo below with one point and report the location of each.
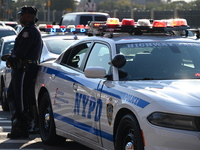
(30, 23)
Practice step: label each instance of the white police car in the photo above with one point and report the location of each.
(53, 46)
(124, 93)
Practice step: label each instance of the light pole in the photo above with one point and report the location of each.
(48, 10)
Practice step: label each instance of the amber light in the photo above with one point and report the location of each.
(157, 23)
(179, 22)
(112, 21)
(96, 24)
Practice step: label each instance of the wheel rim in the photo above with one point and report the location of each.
(46, 119)
(129, 141)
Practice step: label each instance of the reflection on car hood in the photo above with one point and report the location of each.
(183, 92)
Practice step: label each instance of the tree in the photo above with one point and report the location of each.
(119, 5)
(60, 5)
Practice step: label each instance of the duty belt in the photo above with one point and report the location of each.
(32, 61)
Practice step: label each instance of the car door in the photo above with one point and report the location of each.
(88, 104)
(64, 80)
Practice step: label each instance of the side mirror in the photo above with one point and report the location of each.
(118, 61)
(5, 57)
(95, 72)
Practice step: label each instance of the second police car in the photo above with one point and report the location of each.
(128, 92)
(53, 45)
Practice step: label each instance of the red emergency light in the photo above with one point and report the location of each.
(130, 22)
(62, 26)
(80, 26)
(49, 26)
(159, 23)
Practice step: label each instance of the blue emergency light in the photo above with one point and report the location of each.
(64, 30)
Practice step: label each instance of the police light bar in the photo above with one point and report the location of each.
(64, 29)
(141, 26)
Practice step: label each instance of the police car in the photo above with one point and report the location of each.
(139, 91)
(53, 45)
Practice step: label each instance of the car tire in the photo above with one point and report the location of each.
(47, 124)
(129, 134)
(4, 102)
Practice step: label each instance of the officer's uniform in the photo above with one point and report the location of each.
(23, 62)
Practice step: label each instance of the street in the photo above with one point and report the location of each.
(33, 142)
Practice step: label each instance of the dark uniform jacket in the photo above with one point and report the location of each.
(28, 44)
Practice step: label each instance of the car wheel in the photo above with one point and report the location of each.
(128, 135)
(47, 124)
(4, 102)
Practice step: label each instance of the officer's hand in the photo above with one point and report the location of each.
(8, 64)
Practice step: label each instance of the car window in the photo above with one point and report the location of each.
(1, 42)
(84, 19)
(99, 56)
(156, 60)
(73, 57)
(100, 18)
(68, 19)
(8, 47)
(57, 46)
(6, 33)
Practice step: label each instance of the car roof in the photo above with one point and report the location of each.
(62, 36)
(86, 13)
(6, 28)
(141, 38)
(9, 38)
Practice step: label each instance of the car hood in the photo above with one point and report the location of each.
(183, 92)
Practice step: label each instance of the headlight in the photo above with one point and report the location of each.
(175, 121)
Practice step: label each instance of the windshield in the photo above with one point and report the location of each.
(157, 61)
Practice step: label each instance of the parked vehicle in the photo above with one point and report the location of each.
(130, 87)
(53, 46)
(82, 18)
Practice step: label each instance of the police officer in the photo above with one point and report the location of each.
(24, 65)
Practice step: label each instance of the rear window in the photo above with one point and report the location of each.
(68, 20)
(76, 19)
(100, 18)
(6, 33)
(84, 19)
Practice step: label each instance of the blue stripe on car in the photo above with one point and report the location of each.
(84, 127)
(109, 91)
(112, 92)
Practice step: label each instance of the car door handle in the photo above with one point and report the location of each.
(75, 86)
(53, 76)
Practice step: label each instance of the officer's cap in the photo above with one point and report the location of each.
(28, 9)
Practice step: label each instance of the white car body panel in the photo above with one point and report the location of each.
(87, 120)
